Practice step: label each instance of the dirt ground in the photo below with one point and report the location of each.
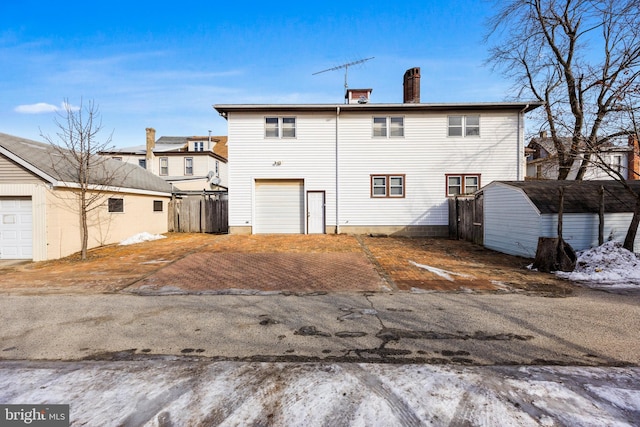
(403, 264)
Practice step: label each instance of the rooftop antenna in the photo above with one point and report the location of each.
(346, 69)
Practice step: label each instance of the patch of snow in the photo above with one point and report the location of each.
(141, 237)
(445, 274)
(609, 264)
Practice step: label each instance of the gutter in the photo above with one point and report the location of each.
(337, 171)
(520, 141)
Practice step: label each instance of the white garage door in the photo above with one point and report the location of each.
(16, 228)
(279, 206)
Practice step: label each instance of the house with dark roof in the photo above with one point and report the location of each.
(621, 155)
(192, 164)
(517, 213)
(39, 209)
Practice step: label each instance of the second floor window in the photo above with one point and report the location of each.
(388, 127)
(198, 146)
(280, 127)
(464, 126)
(164, 166)
(188, 166)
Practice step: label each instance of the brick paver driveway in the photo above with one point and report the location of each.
(201, 263)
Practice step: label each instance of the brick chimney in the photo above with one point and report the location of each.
(412, 86)
(151, 144)
(633, 159)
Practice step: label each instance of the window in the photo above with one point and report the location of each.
(380, 126)
(280, 127)
(198, 146)
(217, 168)
(464, 126)
(462, 184)
(116, 204)
(188, 165)
(616, 163)
(157, 205)
(394, 125)
(164, 166)
(387, 185)
(142, 163)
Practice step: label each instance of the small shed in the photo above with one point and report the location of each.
(517, 213)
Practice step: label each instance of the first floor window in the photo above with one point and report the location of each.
(462, 184)
(164, 166)
(116, 204)
(157, 205)
(142, 163)
(387, 185)
(188, 166)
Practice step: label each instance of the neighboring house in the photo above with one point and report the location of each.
(516, 214)
(542, 159)
(362, 167)
(191, 164)
(39, 207)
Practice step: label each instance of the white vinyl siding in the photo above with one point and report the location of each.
(424, 156)
(511, 222)
(311, 156)
(279, 206)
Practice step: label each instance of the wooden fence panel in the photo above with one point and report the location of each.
(199, 215)
(466, 218)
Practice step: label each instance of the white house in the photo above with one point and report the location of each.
(620, 155)
(362, 167)
(39, 204)
(191, 164)
(516, 214)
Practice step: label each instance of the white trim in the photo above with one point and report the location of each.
(93, 187)
(28, 166)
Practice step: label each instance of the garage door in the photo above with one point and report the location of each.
(279, 206)
(16, 228)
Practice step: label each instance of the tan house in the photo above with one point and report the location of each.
(192, 164)
(39, 204)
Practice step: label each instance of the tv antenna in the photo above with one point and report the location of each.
(346, 69)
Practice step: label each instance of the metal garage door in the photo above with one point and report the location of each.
(279, 206)
(16, 228)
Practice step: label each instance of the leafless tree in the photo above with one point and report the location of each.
(87, 174)
(582, 58)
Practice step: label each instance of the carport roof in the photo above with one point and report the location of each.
(579, 196)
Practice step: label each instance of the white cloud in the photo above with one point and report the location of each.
(43, 107)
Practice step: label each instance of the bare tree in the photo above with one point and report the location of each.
(582, 58)
(87, 174)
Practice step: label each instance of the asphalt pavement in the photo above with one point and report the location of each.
(588, 328)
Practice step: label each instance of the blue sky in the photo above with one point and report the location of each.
(164, 64)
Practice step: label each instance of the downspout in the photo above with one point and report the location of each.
(337, 172)
(520, 153)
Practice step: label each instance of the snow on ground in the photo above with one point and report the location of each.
(141, 237)
(179, 392)
(445, 274)
(606, 266)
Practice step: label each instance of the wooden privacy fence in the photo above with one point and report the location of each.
(466, 219)
(199, 215)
